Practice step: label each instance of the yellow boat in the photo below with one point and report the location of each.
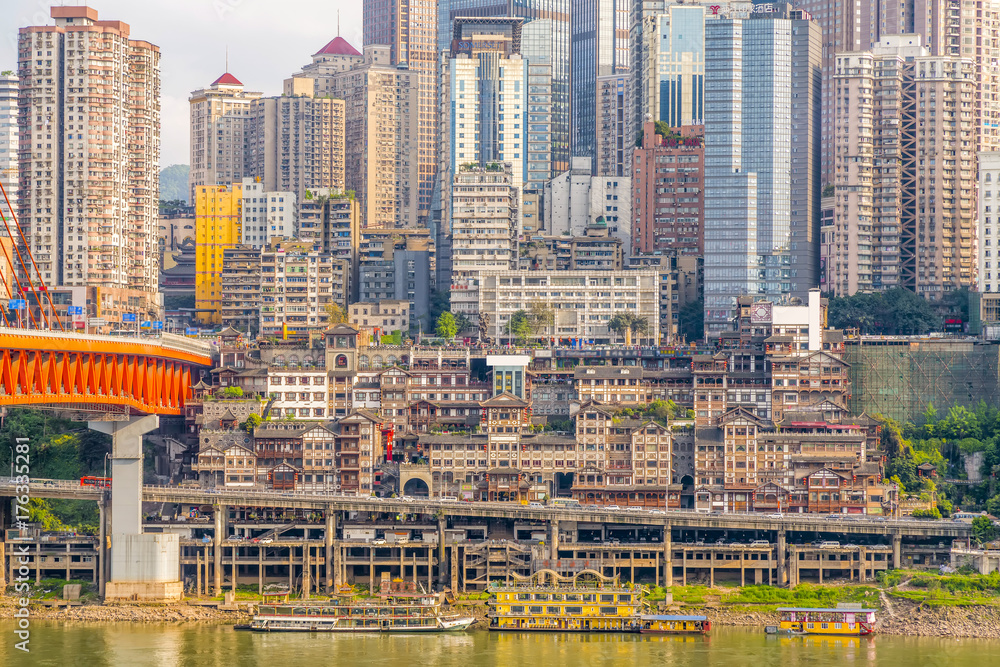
(844, 619)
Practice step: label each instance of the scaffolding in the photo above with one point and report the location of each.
(898, 376)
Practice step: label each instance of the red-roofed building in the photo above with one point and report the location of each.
(338, 46)
(227, 79)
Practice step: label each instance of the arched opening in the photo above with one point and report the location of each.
(416, 487)
(563, 484)
(363, 362)
(341, 361)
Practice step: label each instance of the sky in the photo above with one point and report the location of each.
(268, 41)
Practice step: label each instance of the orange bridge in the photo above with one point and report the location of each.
(104, 374)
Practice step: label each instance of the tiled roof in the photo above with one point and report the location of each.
(338, 46)
(227, 79)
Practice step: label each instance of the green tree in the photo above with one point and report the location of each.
(232, 392)
(895, 312)
(519, 326)
(446, 327)
(334, 314)
(252, 422)
(983, 529)
(541, 316)
(627, 324)
(993, 505)
(462, 322)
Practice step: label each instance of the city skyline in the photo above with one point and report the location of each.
(196, 38)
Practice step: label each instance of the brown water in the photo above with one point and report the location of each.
(213, 645)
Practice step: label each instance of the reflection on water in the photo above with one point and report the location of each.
(212, 645)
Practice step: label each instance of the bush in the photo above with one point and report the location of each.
(933, 513)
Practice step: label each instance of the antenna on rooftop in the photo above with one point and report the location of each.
(338, 23)
(227, 58)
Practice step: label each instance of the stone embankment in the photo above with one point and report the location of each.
(128, 613)
(897, 617)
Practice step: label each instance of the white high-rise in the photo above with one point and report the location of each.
(8, 140)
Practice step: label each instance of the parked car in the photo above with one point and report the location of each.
(236, 538)
(775, 516)
(536, 505)
(380, 541)
(633, 508)
(266, 540)
(760, 543)
(613, 508)
(451, 499)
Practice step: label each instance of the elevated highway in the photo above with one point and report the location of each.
(857, 525)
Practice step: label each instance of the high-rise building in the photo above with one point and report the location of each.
(218, 222)
(668, 178)
(484, 228)
(398, 265)
(988, 269)
(241, 288)
(409, 28)
(297, 283)
(762, 187)
(905, 171)
(960, 29)
(381, 124)
(297, 140)
(667, 63)
(266, 214)
(89, 124)
(8, 142)
(537, 49)
(613, 152)
(331, 220)
(599, 34)
(555, 47)
(847, 26)
(219, 139)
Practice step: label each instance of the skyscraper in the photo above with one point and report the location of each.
(762, 188)
(598, 47)
(557, 49)
(613, 152)
(409, 28)
(297, 140)
(381, 125)
(219, 141)
(667, 64)
(905, 171)
(8, 140)
(90, 113)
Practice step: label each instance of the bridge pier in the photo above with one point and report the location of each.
(220, 529)
(442, 563)
(554, 543)
(331, 532)
(143, 567)
(782, 558)
(897, 550)
(102, 547)
(668, 563)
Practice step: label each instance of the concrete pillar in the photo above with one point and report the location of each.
(291, 568)
(442, 563)
(684, 568)
(554, 540)
(819, 560)
(331, 531)
(454, 569)
(782, 559)
(102, 545)
(306, 571)
(430, 569)
(260, 570)
(402, 564)
(371, 569)
(220, 528)
(197, 574)
(711, 572)
(863, 565)
(126, 470)
(205, 560)
(668, 558)
(69, 560)
(38, 562)
(897, 550)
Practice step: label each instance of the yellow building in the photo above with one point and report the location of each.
(218, 218)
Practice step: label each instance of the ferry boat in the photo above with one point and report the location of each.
(659, 624)
(605, 607)
(844, 619)
(418, 615)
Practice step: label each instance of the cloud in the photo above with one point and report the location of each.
(267, 42)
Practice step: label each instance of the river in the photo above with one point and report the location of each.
(214, 645)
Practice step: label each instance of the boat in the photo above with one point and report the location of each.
(844, 619)
(665, 624)
(576, 606)
(421, 613)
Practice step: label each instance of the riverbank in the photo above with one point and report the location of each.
(896, 616)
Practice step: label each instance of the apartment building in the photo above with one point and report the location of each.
(381, 125)
(89, 133)
(613, 146)
(582, 302)
(266, 214)
(905, 171)
(398, 264)
(668, 190)
(297, 141)
(297, 281)
(218, 223)
(484, 228)
(595, 249)
(240, 287)
(987, 269)
(219, 137)
(379, 318)
(8, 140)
